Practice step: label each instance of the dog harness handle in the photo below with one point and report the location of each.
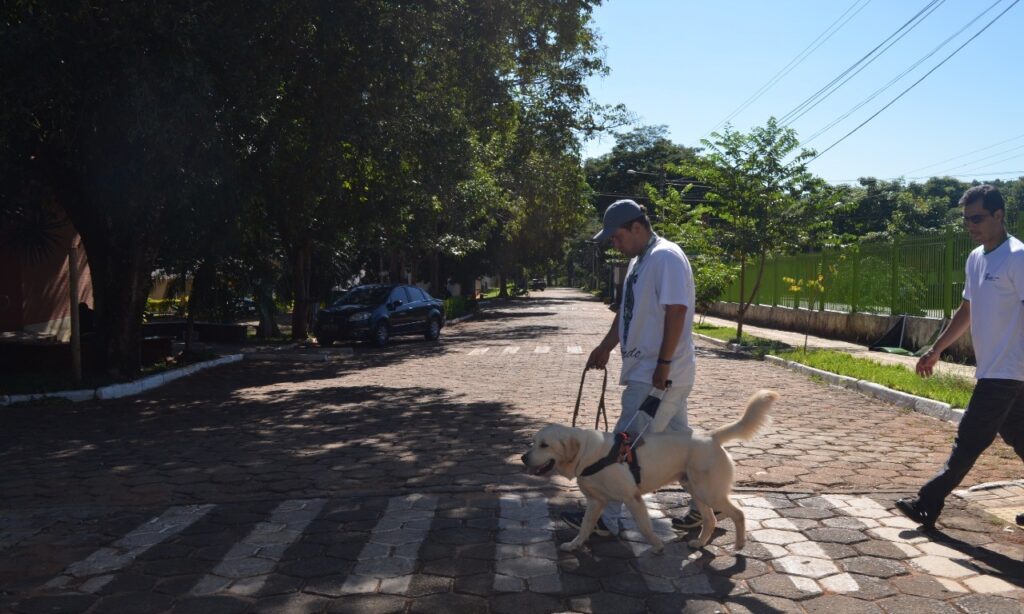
(601, 412)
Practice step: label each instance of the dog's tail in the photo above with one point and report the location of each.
(754, 419)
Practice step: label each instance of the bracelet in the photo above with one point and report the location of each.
(664, 362)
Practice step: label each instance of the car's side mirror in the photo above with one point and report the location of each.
(395, 304)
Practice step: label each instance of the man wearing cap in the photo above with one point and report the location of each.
(654, 326)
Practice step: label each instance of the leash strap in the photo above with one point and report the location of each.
(601, 412)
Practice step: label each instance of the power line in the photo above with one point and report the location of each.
(991, 174)
(915, 83)
(964, 155)
(796, 61)
(895, 79)
(988, 157)
(977, 167)
(818, 97)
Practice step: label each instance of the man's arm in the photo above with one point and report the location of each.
(957, 327)
(675, 320)
(599, 356)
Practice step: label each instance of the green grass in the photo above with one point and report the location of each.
(953, 390)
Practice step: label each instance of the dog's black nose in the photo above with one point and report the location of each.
(523, 458)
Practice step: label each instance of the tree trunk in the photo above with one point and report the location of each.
(267, 310)
(503, 291)
(200, 284)
(740, 309)
(121, 281)
(300, 260)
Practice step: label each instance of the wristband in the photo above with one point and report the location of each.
(664, 362)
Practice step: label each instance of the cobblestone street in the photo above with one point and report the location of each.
(390, 480)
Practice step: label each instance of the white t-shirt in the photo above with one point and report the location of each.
(663, 278)
(995, 288)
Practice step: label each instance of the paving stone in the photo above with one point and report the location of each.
(368, 604)
(737, 568)
(839, 604)
(989, 604)
(877, 548)
(449, 603)
(291, 604)
(943, 567)
(606, 602)
(839, 536)
(761, 604)
(924, 586)
(908, 604)
(989, 584)
(676, 604)
(873, 566)
(476, 584)
(626, 584)
(776, 536)
(805, 566)
(211, 605)
(131, 603)
(49, 604)
(524, 602)
(777, 585)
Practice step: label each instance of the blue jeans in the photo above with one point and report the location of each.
(996, 407)
(674, 403)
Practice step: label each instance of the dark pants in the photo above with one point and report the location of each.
(997, 406)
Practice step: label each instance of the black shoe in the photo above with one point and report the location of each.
(575, 520)
(1020, 519)
(691, 520)
(912, 509)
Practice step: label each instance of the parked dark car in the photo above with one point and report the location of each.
(538, 283)
(377, 312)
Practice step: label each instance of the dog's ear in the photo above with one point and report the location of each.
(570, 449)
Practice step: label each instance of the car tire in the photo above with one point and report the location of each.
(325, 341)
(381, 334)
(433, 329)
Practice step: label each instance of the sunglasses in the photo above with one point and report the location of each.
(974, 219)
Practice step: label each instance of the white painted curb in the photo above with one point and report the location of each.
(117, 391)
(930, 407)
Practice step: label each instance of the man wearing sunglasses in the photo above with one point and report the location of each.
(992, 308)
(654, 328)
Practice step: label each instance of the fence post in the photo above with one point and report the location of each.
(947, 272)
(893, 276)
(775, 281)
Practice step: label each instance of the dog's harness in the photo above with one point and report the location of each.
(622, 448)
(622, 451)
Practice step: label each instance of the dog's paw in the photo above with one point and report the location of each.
(569, 546)
(738, 546)
(695, 544)
(658, 548)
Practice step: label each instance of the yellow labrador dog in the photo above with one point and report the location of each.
(699, 462)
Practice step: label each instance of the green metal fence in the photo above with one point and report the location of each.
(920, 275)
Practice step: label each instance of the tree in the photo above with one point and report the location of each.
(760, 204)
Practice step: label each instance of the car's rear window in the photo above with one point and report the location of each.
(364, 295)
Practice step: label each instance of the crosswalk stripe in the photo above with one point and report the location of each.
(541, 349)
(245, 568)
(389, 557)
(511, 349)
(478, 351)
(573, 349)
(525, 555)
(99, 565)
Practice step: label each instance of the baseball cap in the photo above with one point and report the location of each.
(617, 214)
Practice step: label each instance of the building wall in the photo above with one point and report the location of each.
(38, 291)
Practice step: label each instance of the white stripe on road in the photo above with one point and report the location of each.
(525, 555)
(541, 349)
(478, 351)
(246, 567)
(389, 557)
(99, 565)
(573, 349)
(803, 561)
(511, 349)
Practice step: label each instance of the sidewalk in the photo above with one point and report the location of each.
(820, 343)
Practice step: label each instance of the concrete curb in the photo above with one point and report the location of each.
(460, 319)
(117, 391)
(929, 407)
(728, 345)
(286, 357)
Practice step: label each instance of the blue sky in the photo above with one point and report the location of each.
(688, 64)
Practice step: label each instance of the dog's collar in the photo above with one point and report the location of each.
(620, 451)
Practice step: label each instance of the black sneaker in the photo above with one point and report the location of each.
(912, 509)
(575, 520)
(691, 520)
(1020, 519)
